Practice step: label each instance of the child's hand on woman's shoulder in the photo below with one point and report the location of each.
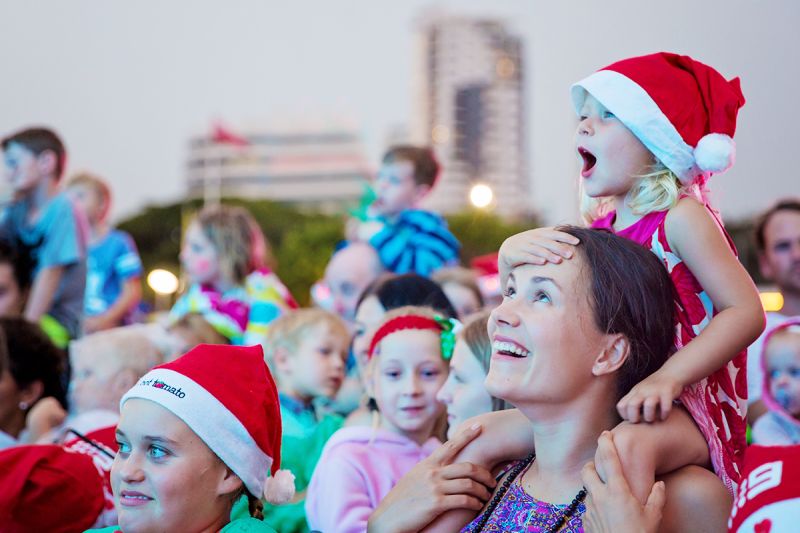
(535, 247)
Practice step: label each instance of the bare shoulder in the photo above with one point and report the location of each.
(690, 222)
(686, 212)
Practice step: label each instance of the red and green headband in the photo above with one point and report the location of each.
(445, 327)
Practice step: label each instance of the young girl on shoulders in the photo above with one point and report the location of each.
(224, 256)
(652, 130)
(408, 363)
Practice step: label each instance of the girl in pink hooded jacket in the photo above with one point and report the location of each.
(359, 465)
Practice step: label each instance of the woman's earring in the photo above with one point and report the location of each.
(23, 405)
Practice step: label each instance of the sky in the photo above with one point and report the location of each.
(128, 83)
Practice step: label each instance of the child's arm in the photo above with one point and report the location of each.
(128, 298)
(536, 247)
(739, 320)
(43, 292)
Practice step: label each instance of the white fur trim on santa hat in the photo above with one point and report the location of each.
(639, 112)
(715, 152)
(210, 420)
(279, 489)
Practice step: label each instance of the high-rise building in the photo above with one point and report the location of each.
(470, 107)
(324, 169)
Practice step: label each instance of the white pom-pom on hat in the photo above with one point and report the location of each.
(279, 489)
(715, 153)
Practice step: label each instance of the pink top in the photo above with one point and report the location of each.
(717, 403)
(357, 468)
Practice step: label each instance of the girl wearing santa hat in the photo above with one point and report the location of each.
(652, 130)
(197, 442)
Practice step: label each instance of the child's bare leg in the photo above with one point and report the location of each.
(697, 501)
(658, 448)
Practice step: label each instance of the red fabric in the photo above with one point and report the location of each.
(254, 398)
(697, 100)
(485, 264)
(58, 489)
(400, 323)
(769, 497)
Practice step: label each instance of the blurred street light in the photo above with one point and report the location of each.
(772, 301)
(162, 281)
(481, 195)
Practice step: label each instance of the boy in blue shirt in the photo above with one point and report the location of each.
(408, 239)
(113, 281)
(44, 222)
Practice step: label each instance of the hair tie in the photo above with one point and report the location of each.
(446, 327)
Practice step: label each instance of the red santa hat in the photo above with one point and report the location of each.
(683, 111)
(227, 396)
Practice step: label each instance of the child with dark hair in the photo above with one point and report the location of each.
(46, 223)
(407, 238)
(15, 280)
(35, 371)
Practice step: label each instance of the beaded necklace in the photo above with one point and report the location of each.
(498, 497)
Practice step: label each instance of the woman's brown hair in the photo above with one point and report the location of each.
(631, 294)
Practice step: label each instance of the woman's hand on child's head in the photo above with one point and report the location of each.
(611, 506)
(650, 400)
(432, 487)
(537, 246)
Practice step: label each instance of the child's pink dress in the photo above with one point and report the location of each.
(717, 403)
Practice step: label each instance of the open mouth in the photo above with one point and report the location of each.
(510, 349)
(589, 161)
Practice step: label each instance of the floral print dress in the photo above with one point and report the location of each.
(717, 403)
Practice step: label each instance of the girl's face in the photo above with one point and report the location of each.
(783, 368)
(464, 393)
(164, 478)
(368, 315)
(612, 156)
(544, 340)
(406, 375)
(199, 257)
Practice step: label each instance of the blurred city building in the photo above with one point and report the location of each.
(469, 104)
(321, 169)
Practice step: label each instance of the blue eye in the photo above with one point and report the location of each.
(124, 448)
(794, 372)
(541, 296)
(392, 374)
(157, 452)
(509, 292)
(608, 114)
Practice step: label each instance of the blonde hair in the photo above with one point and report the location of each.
(199, 329)
(476, 336)
(238, 239)
(659, 189)
(288, 331)
(127, 348)
(97, 184)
